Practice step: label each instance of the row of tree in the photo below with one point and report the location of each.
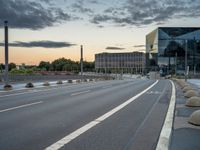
(61, 64)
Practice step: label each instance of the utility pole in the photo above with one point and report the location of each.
(81, 61)
(7, 86)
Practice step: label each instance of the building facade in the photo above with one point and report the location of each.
(173, 49)
(133, 62)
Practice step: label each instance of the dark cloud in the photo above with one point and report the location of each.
(30, 15)
(114, 48)
(145, 12)
(139, 46)
(94, 1)
(43, 44)
(79, 7)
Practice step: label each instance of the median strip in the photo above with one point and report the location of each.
(21, 106)
(59, 144)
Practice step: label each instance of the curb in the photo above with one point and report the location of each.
(165, 135)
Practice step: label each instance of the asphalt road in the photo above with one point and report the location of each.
(34, 120)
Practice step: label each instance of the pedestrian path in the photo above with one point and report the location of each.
(185, 136)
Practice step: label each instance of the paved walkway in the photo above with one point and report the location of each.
(185, 136)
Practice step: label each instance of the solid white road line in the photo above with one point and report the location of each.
(59, 144)
(78, 93)
(164, 138)
(21, 106)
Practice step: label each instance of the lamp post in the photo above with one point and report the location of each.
(81, 61)
(6, 78)
(186, 63)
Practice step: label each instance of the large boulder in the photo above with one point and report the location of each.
(187, 88)
(193, 102)
(195, 118)
(191, 93)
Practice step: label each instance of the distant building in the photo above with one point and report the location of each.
(130, 62)
(166, 48)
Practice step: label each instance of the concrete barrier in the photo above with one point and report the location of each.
(46, 83)
(78, 81)
(195, 118)
(191, 93)
(59, 82)
(70, 81)
(7, 87)
(29, 85)
(193, 102)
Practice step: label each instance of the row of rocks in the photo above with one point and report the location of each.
(193, 100)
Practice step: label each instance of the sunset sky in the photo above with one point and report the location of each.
(51, 29)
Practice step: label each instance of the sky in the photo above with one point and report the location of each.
(45, 30)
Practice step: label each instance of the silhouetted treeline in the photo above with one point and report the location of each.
(61, 64)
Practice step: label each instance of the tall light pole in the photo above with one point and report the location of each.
(186, 63)
(81, 61)
(7, 86)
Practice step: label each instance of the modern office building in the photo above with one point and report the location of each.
(130, 62)
(173, 49)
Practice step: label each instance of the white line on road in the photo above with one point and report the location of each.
(78, 93)
(164, 138)
(105, 87)
(59, 144)
(21, 106)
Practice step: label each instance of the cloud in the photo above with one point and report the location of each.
(139, 46)
(31, 15)
(43, 44)
(79, 7)
(139, 13)
(114, 48)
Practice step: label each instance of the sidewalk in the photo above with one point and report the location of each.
(184, 135)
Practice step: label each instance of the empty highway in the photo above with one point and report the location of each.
(104, 115)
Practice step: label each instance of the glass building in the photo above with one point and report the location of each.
(169, 49)
(130, 62)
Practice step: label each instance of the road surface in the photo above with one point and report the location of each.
(105, 115)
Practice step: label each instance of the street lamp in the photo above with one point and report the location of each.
(81, 61)
(6, 78)
(186, 63)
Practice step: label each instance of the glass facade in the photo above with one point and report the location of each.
(110, 61)
(167, 48)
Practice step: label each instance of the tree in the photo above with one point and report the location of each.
(44, 65)
(12, 66)
(62, 64)
(88, 66)
(2, 67)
